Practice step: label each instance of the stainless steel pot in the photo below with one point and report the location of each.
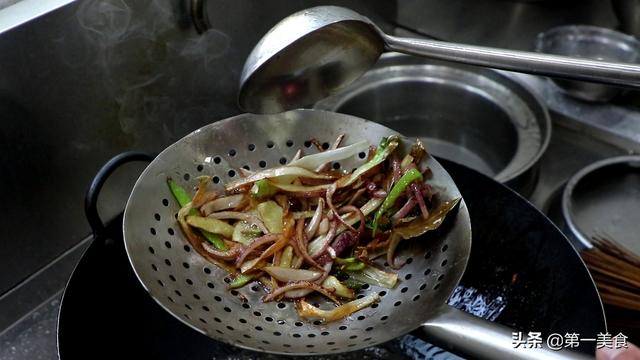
(474, 116)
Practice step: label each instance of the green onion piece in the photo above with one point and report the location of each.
(374, 276)
(331, 282)
(262, 190)
(353, 284)
(245, 233)
(272, 216)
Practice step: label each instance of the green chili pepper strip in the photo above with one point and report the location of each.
(214, 239)
(345, 261)
(405, 180)
(352, 264)
(356, 266)
(181, 195)
(183, 198)
(240, 280)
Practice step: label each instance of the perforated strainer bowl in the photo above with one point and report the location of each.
(192, 289)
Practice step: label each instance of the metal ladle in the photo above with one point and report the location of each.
(314, 53)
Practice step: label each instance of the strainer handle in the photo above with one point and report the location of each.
(91, 197)
(468, 335)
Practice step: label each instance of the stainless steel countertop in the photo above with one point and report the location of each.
(34, 336)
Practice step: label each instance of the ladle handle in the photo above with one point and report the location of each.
(471, 336)
(613, 73)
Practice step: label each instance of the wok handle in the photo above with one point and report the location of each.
(614, 73)
(471, 336)
(91, 197)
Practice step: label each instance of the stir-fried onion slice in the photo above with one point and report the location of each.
(349, 209)
(335, 145)
(330, 192)
(302, 190)
(318, 246)
(310, 312)
(288, 274)
(230, 254)
(418, 195)
(278, 245)
(300, 285)
(301, 244)
(188, 231)
(311, 162)
(390, 145)
(296, 294)
(265, 239)
(223, 203)
(277, 172)
(199, 198)
(312, 227)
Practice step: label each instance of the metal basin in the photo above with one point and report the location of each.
(603, 199)
(477, 117)
(590, 42)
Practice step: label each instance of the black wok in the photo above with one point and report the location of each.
(518, 255)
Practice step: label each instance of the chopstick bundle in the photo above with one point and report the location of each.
(616, 271)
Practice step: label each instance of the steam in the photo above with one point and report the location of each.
(210, 46)
(155, 71)
(107, 19)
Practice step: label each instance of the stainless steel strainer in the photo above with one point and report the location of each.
(194, 291)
